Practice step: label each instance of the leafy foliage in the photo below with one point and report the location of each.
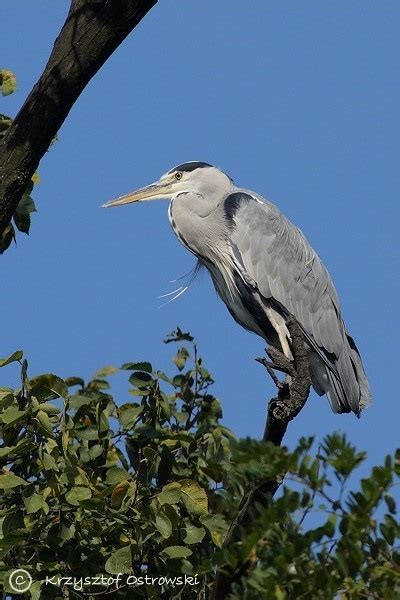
(8, 82)
(149, 487)
(26, 206)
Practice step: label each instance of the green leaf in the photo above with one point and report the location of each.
(15, 356)
(103, 422)
(44, 420)
(34, 590)
(119, 493)
(6, 451)
(128, 416)
(11, 415)
(105, 372)
(194, 497)
(9, 480)
(6, 394)
(116, 475)
(89, 433)
(99, 384)
(21, 216)
(71, 381)
(179, 381)
(170, 493)
(22, 222)
(141, 379)
(76, 494)
(120, 561)
(330, 526)
(95, 451)
(164, 525)
(8, 82)
(6, 238)
(390, 529)
(138, 366)
(48, 387)
(49, 463)
(34, 503)
(50, 409)
(192, 534)
(279, 593)
(217, 526)
(77, 401)
(23, 447)
(67, 533)
(26, 205)
(176, 552)
(391, 503)
(181, 358)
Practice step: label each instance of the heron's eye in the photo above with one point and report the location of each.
(178, 175)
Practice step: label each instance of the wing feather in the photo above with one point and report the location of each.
(276, 256)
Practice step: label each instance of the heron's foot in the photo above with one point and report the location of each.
(281, 362)
(270, 366)
(278, 362)
(279, 409)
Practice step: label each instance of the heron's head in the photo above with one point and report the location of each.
(198, 178)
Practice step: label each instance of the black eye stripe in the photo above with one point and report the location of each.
(190, 166)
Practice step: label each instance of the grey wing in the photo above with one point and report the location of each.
(274, 255)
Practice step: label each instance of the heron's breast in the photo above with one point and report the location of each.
(245, 305)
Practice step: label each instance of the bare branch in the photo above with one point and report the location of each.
(92, 31)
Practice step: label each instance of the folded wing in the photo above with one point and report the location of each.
(276, 257)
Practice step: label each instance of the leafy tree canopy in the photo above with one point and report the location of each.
(149, 486)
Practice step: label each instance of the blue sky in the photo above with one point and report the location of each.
(298, 101)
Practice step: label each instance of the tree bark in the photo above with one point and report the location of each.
(92, 31)
(291, 398)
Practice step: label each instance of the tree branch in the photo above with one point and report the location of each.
(92, 31)
(291, 398)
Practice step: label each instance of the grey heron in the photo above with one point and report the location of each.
(264, 269)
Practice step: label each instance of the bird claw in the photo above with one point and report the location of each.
(280, 361)
(270, 366)
(279, 412)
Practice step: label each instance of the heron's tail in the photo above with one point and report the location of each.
(349, 388)
(345, 383)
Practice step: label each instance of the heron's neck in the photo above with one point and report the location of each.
(196, 222)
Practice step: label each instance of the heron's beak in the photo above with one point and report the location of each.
(155, 191)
